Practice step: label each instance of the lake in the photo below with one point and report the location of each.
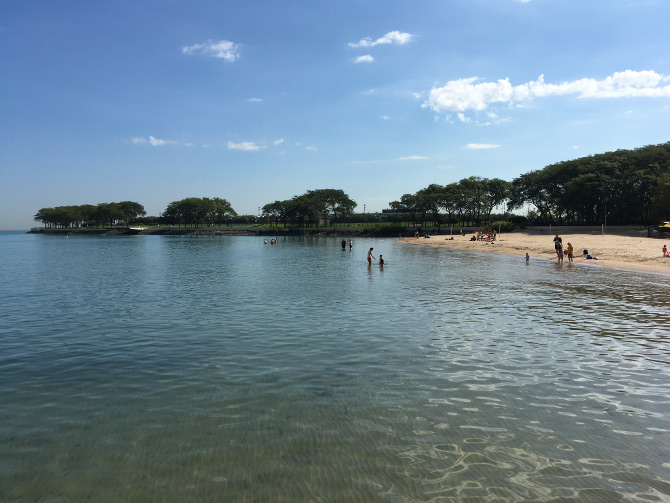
(167, 368)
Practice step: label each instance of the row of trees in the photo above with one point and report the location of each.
(469, 200)
(88, 215)
(625, 186)
(328, 205)
(622, 187)
(195, 211)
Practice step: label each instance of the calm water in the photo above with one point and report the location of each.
(180, 369)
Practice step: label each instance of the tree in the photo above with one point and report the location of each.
(332, 201)
(661, 199)
(222, 210)
(131, 210)
(408, 203)
(432, 198)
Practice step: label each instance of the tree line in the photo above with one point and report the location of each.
(327, 205)
(624, 187)
(88, 215)
(621, 187)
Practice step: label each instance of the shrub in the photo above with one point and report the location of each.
(502, 226)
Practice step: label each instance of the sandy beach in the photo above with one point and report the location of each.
(623, 249)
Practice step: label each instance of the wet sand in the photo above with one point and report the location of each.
(630, 249)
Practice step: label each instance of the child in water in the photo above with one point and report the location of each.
(381, 261)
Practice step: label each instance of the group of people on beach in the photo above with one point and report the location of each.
(560, 254)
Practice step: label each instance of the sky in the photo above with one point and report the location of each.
(256, 101)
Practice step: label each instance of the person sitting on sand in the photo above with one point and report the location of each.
(589, 256)
(473, 238)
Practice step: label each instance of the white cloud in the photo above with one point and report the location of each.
(279, 141)
(151, 140)
(223, 49)
(412, 158)
(392, 37)
(312, 149)
(158, 143)
(480, 146)
(384, 117)
(469, 94)
(247, 146)
(364, 59)
(255, 100)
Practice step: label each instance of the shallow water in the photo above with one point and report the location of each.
(153, 368)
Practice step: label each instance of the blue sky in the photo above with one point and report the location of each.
(256, 101)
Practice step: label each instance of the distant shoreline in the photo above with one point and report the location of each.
(212, 231)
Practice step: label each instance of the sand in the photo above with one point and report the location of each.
(625, 249)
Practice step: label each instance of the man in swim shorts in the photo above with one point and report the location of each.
(370, 256)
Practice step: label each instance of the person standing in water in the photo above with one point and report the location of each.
(370, 257)
(381, 261)
(351, 244)
(344, 244)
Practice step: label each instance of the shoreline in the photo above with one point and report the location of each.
(630, 249)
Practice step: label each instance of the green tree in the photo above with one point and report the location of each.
(130, 211)
(332, 202)
(661, 199)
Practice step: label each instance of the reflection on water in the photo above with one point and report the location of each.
(180, 369)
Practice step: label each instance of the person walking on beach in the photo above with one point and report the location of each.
(570, 251)
(370, 257)
(527, 258)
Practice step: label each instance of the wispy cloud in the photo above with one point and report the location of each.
(392, 37)
(155, 142)
(480, 146)
(247, 146)
(412, 158)
(278, 142)
(469, 94)
(364, 59)
(255, 100)
(223, 49)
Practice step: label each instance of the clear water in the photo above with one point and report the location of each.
(179, 369)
